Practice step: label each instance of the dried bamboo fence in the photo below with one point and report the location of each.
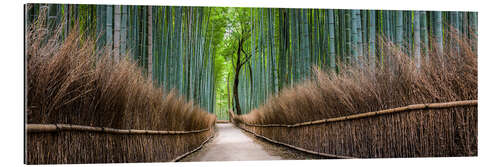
(421, 130)
(73, 144)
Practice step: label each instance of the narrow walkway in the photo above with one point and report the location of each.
(231, 144)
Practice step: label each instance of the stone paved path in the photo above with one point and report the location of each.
(231, 144)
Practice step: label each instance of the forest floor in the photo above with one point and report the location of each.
(233, 144)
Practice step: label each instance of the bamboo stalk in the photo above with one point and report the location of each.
(408, 108)
(48, 128)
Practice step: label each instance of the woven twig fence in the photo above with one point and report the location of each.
(421, 130)
(70, 144)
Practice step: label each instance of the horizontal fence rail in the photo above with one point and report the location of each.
(376, 113)
(48, 128)
(222, 121)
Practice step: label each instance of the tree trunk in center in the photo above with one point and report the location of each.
(236, 77)
(235, 90)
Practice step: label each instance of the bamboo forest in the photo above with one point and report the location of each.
(123, 83)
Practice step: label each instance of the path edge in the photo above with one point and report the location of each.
(194, 150)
